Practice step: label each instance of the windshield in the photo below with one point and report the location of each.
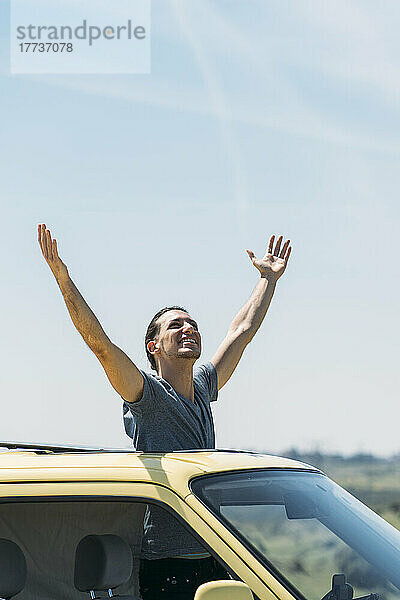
(306, 528)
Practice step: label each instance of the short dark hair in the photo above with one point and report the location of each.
(154, 329)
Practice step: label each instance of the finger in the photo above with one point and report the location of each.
(55, 251)
(271, 244)
(39, 235)
(42, 241)
(278, 245)
(289, 250)
(49, 245)
(251, 255)
(285, 247)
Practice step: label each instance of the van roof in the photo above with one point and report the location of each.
(38, 462)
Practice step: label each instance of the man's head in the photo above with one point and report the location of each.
(172, 333)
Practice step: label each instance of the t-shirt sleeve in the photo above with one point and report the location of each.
(144, 405)
(147, 400)
(206, 375)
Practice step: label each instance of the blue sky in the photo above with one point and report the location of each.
(257, 118)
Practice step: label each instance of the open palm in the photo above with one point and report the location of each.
(48, 245)
(275, 260)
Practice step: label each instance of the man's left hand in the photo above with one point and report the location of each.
(274, 263)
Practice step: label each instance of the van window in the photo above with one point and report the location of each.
(48, 533)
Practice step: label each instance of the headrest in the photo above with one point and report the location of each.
(12, 569)
(102, 562)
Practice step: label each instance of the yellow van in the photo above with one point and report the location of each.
(280, 528)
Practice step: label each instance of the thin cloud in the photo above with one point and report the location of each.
(331, 45)
(304, 123)
(219, 105)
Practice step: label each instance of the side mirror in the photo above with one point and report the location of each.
(223, 590)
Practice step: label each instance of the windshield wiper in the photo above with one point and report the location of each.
(343, 591)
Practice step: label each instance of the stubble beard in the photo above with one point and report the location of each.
(192, 355)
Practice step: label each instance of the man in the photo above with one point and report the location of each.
(171, 410)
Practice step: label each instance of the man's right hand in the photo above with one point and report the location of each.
(122, 373)
(50, 253)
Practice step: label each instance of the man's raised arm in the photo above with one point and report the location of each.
(251, 315)
(124, 376)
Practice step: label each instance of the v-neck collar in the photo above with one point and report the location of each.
(194, 403)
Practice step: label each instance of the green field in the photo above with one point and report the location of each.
(374, 481)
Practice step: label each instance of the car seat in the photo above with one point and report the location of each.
(102, 563)
(12, 569)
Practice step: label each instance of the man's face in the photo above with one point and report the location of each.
(178, 336)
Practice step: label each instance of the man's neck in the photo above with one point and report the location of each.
(179, 374)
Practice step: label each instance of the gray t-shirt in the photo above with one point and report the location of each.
(163, 421)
